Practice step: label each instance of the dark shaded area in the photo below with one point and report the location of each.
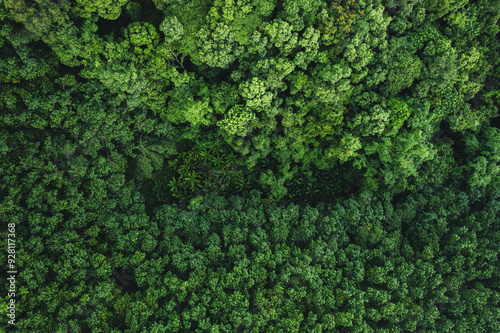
(400, 197)
(495, 122)
(75, 71)
(151, 14)
(107, 27)
(125, 280)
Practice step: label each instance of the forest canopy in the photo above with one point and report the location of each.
(251, 165)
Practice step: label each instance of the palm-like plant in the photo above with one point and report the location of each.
(192, 179)
(174, 185)
(204, 154)
(217, 160)
(231, 157)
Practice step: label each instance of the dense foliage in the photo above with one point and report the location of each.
(251, 165)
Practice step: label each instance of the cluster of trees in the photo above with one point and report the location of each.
(253, 165)
(368, 264)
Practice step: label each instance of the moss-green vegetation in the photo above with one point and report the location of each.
(251, 165)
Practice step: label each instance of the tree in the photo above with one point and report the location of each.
(217, 48)
(172, 28)
(238, 121)
(109, 10)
